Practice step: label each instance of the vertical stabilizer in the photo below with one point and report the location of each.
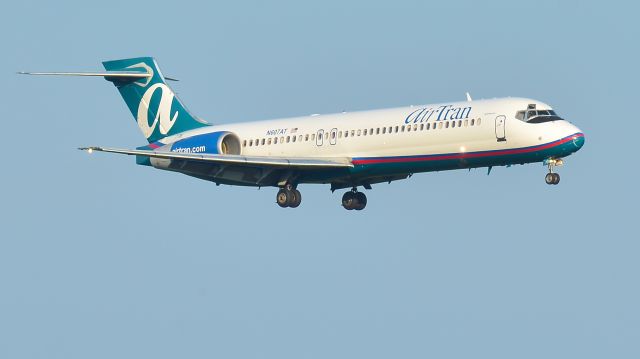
(154, 106)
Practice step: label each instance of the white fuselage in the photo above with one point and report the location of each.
(483, 125)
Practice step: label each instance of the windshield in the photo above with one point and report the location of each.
(537, 116)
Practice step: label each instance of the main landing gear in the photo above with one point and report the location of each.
(551, 177)
(354, 200)
(288, 196)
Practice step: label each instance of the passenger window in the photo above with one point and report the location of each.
(371, 131)
(478, 122)
(446, 125)
(428, 126)
(353, 133)
(326, 135)
(459, 123)
(466, 123)
(453, 124)
(306, 137)
(364, 132)
(346, 134)
(440, 125)
(396, 129)
(281, 139)
(384, 130)
(244, 143)
(263, 141)
(340, 134)
(473, 122)
(269, 141)
(288, 139)
(275, 140)
(359, 132)
(378, 131)
(300, 138)
(415, 127)
(408, 128)
(293, 138)
(250, 143)
(333, 135)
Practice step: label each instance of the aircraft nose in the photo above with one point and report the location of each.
(578, 139)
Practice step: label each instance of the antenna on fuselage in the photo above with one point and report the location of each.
(468, 97)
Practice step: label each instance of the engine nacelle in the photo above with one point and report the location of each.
(222, 142)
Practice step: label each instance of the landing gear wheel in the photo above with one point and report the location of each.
(283, 198)
(296, 200)
(354, 200)
(361, 201)
(288, 197)
(550, 178)
(348, 200)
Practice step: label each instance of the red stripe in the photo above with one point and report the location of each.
(468, 155)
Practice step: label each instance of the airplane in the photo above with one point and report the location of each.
(344, 150)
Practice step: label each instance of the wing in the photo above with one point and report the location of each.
(242, 170)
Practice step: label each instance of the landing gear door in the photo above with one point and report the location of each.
(501, 134)
(319, 137)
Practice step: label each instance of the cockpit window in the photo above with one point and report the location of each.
(537, 116)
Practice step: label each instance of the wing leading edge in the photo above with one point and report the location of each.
(255, 161)
(242, 170)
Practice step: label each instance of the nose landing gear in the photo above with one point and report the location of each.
(354, 200)
(551, 177)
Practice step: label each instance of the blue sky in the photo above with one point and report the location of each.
(101, 258)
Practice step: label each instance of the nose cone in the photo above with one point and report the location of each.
(574, 136)
(578, 140)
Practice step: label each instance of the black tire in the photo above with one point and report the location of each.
(556, 178)
(361, 201)
(549, 178)
(296, 199)
(348, 200)
(283, 198)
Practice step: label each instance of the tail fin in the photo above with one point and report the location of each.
(152, 103)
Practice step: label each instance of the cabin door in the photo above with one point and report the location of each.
(501, 134)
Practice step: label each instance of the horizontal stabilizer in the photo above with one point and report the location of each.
(119, 74)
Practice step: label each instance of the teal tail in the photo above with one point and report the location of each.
(155, 107)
